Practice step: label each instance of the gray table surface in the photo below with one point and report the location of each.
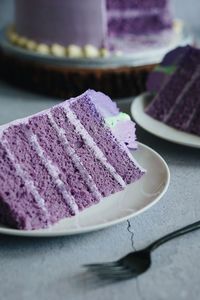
(50, 269)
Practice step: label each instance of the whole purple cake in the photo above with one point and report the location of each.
(63, 160)
(49, 25)
(177, 85)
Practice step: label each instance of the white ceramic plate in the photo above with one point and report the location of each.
(158, 128)
(135, 199)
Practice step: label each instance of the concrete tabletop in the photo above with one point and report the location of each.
(50, 268)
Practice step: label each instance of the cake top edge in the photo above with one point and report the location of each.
(168, 66)
(42, 112)
(120, 124)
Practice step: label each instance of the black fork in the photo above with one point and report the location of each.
(134, 263)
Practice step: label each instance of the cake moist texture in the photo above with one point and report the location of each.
(177, 84)
(58, 162)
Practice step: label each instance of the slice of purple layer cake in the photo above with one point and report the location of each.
(63, 160)
(177, 102)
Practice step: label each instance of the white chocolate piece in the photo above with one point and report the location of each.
(31, 45)
(43, 49)
(58, 50)
(13, 37)
(104, 52)
(74, 51)
(21, 41)
(90, 51)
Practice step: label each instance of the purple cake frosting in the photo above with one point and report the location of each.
(177, 102)
(105, 105)
(122, 126)
(89, 21)
(61, 161)
(63, 22)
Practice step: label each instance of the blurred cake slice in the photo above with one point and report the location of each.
(177, 102)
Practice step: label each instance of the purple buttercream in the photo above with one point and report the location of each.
(78, 22)
(124, 130)
(64, 22)
(104, 104)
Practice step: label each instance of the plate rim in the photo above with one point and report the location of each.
(42, 233)
(140, 98)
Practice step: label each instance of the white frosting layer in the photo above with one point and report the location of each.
(26, 179)
(54, 172)
(91, 143)
(121, 144)
(133, 13)
(75, 158)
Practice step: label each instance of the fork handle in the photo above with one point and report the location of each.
(175, 234)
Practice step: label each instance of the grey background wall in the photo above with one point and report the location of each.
(6, 11)
(189, 10)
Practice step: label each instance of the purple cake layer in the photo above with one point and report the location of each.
(54, 149)
(101, 177)
(162, 103)
(103, 137)
(61, 161)
(26, 156)
(136, 4)
(186, 103)
(143, 24)
(18, 207)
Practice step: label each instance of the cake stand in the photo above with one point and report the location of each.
(118, 76)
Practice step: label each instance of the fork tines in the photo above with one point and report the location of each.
(113, 271)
